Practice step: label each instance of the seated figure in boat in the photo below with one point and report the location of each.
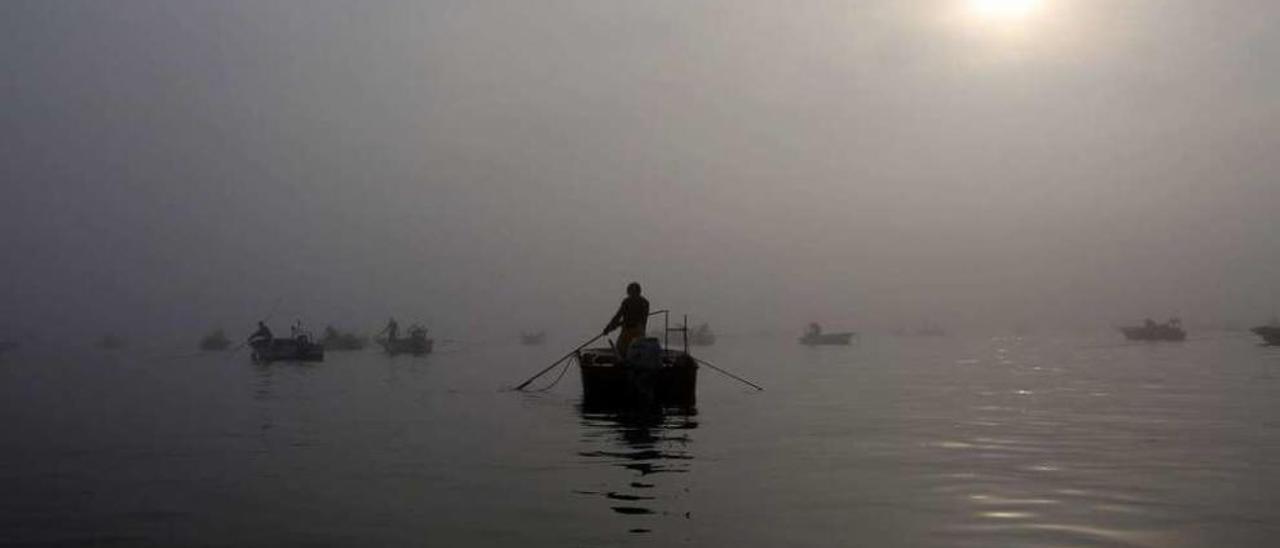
(263, 334)
(417, 332)
(632, 316)
(300, 333)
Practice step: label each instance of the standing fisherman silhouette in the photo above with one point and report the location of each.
(392, 330)
(262, 334)
(632, 316)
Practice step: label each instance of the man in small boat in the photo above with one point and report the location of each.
(632, 316)
(262, 334)
(392, 329)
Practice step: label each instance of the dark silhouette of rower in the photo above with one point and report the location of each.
(632, 316)
(262, 334)
(392, 329)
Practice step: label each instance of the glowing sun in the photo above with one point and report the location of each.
(1007, 11)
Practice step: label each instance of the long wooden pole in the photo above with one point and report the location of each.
(558, 362)
(728, 374)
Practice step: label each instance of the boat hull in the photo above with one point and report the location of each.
(1154, 333)
(606, 382)
(1270, 334)
(827, 339)
(287, 350)
(412, 346)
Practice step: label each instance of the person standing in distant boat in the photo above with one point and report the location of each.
(632, 316)
(262, 334)
(392, 330)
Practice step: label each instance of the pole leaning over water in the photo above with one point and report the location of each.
(557, 362)
(728, 374)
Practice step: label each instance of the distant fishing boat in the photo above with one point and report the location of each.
(334, 339)
(815, 337)
(536, 338)
(298, 349)
(111, 342)
(1270, 334)
(215, 341)
(1152, 331)
(416, 343)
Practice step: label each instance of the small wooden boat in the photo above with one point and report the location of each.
(334, 339)
(215, 341)
(298, 349)
(827, 339)
(416, 343)
(815, 337)
(1270, 334)
(653, 376)
(536, 338)
(1152, 331)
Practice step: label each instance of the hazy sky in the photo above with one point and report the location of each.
(491, 166)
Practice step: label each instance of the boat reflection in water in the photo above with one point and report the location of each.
(651, 446)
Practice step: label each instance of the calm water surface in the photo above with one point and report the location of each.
(958, 441)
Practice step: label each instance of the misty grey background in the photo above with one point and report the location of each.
(491, 166)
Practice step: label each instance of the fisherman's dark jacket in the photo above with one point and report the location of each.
(634, 312)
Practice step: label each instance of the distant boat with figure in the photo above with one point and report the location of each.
(111, 342)
(1151, 331)
(1270, 333)
(299, 347)
(534, 338)
(334, 339)
(814, 336)
(215, 341)
(416, 343)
